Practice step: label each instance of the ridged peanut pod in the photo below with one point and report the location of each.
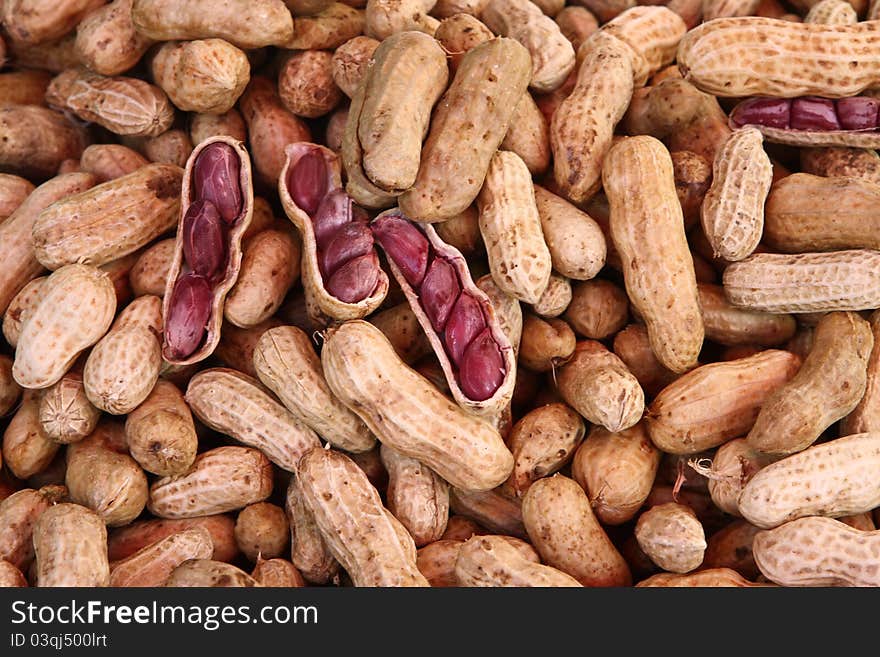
(731, 326)
(818, 552)
(308, 549)
(328, 29)
(278, 573)
(384, 18)
(76, 310)
(491, 561)
(552, 54)
(122, 105)
(583, 125)
(18, 514)
(672, 537)
(219, 480)
(36, 140)
(832, 479)
(529, 135)
(652, 33)
(555, 299)
(712, 577)
(597, 384)
(576, 242)
(70, 543)
(13, 191)
(493, 509)
(21, 306)
(467, 127)
(841, 162)
(401, 326)
(106, 40)
(66, 414)
(617, 471)
(716, 402)
(730, 469)
(416, 496)
(354, 523)
(287, 364)
(244, 23)
(803, 213)
(562, 527)
(27, 450)
(866, 415)
(406, 76)
(729, 57)
(125, 541)
(109, 221)
(733, 209)
(234, 404)
(828, 386)
(152, 565)
(713, 9)
(409, 414)
(10, 391)
(832, 12)
(511, 228)
(648, 232)
(31, 22)
(202, 573)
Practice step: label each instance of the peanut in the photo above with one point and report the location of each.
(633, 347)
(349, 63)
(152, 565)
(574, 239)
(13, 192)
(714, 577)
(106, 39)
(555, 299)
(18, 514)
(327, 29)
(384, 18)
(10, 391)
(494, 510)
(261, 531)
(672, 537)
(150, 273)
(832, 12)
(863, 417)
(545, 343)
(228, 124)
(306, 86)
(598, 309)
(416, 496)
(203, 573)
(27, 450)
(577, 24)
(492, 561)
(731, 547)
(460, 32)
(31, 22)
(841, 162)
(277, 573)
(125, 541)
(10, 576)
(309, 551)
(401, 326)
(732, 326)
(70, 544)
(733, 465)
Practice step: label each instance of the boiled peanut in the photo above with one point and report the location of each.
(152, 565)
(160, 433)
(70, 544)
(18, 514)
(492, 561)
(416, 496)
(106, 39)
(672, 537)
(209, 573)
(27, 450)
(277, 573)
(309, 551)
(261, 531)
(125, 541)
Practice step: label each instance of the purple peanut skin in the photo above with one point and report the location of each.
(466, 322)
(307, 181)
(809, 114)
(188, 315)
(204, 242)
(335, 210)
(350, 241)
(216, 176)
(439, 292)
(770, 112)
(356, 279)
(859, 113)
(481, 371)
(813, 114)
(405, 244)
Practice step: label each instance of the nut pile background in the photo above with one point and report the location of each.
(439, 293)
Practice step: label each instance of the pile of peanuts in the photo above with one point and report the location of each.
(439, 293)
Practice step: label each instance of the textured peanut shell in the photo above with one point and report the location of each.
(582, 126)
(436, 561)
(565, 532)
(712, 577)
(13, 192)
(149, 275)
(219, 480)
(406, 412)
(828, 386)
(307, 7)
(545, 343)
(109, 161)
(328, 29)
(52, 56)
(70, 543)
(125, 541)
(66, 414)
(818, 138)
(205, 126)
(459, 32)
(152, 565)
(18, 514)
(490, 561)
(401, 326)
(866, 415)
(201, 76)
(309, 552)
(716, 402)
(529, 136)
(236, 405)
(818, 552)
(237, 345)
(713, 9)
(841, 162)
(633, 347)
(107, 41)
(732, 466)
(110, 220)
(171, 147)
(576, 243)
(306, 86)
(672, 537)
(10, 391)
(27, 450)
(244, 23)
(31, 22)
(24, 87)
(233, 245)
(599, 386)
(731, 547)
(555, 299)
(728, 57)
(278, 573)
(203, 573)
(322, 304)
(77, 308)
(467, 127)
(494, 509)
(648, 231)
(353, 522)
(350, 61)
(552, 54)
(731, 326)
(652, 33)
(416, 496)
(122, 369)
(384, 18)
(832, 479)
(617, 471)
(10, 576)
(598, 309)
(262, 531)
(733, 209)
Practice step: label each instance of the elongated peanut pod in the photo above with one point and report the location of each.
(152, 565)
(417, 496)
(203, 573)
(866, 415)
(731, 326)
(490, 561)
(18, 515)
(70, 543)
(160, 432)
(309, 551)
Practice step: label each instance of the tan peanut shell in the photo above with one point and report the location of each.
(122, 369)
(731, 547)
(542, 442)
(35, 140)
(354, 523)
(617, 471)
(565, 532)
(31, 22)
(864, 417)
(803, 214)
(405, 78)
(66, 414)
(24, 87)
(529, 135)
(327, 29)
(732, 466)
(109, 161)
(309, 552)
(219, 480)
(384, 18)
(828, 386)
(278, 573)
(545, 343)
(70, 543)
(27, 450)
(652, 33)
(18, 514)
(401, 326)
(490, 561)
(467, 127)
(171, 147)
(236, 347)
(262, 531)
(10, 576)
(307, 7)
(76, 310)
(633, 347)
(672, 537)
(732, 326)
(832, 12)
(511, 228)
(52, 56)
(233, 243)
(495, 510)
(436, 561)
(713, 9)
(244, 23)
(832, 479)
(160, 432)
(648, 231)
(716, 402)
(349, 63)
(13, 192)
(459, 32)
(733, 209)
(507, 309)
(110, 220)
(416, 496)
(555, 299)
(306, 86)
(597, 384)
(229, 124)
(598, 309)
(576, 23)
(149, 275)
(152, 565)
(286, 362)
(203, 573)
(818, 552)
(552, 54)
(447, 8)
(712, 577)
(574, 239)
(206, 75)
(841, 162)
(727, 57)
(106, 40)
(10, 391)
(123, 542)
(234, 404)
(320, 303)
